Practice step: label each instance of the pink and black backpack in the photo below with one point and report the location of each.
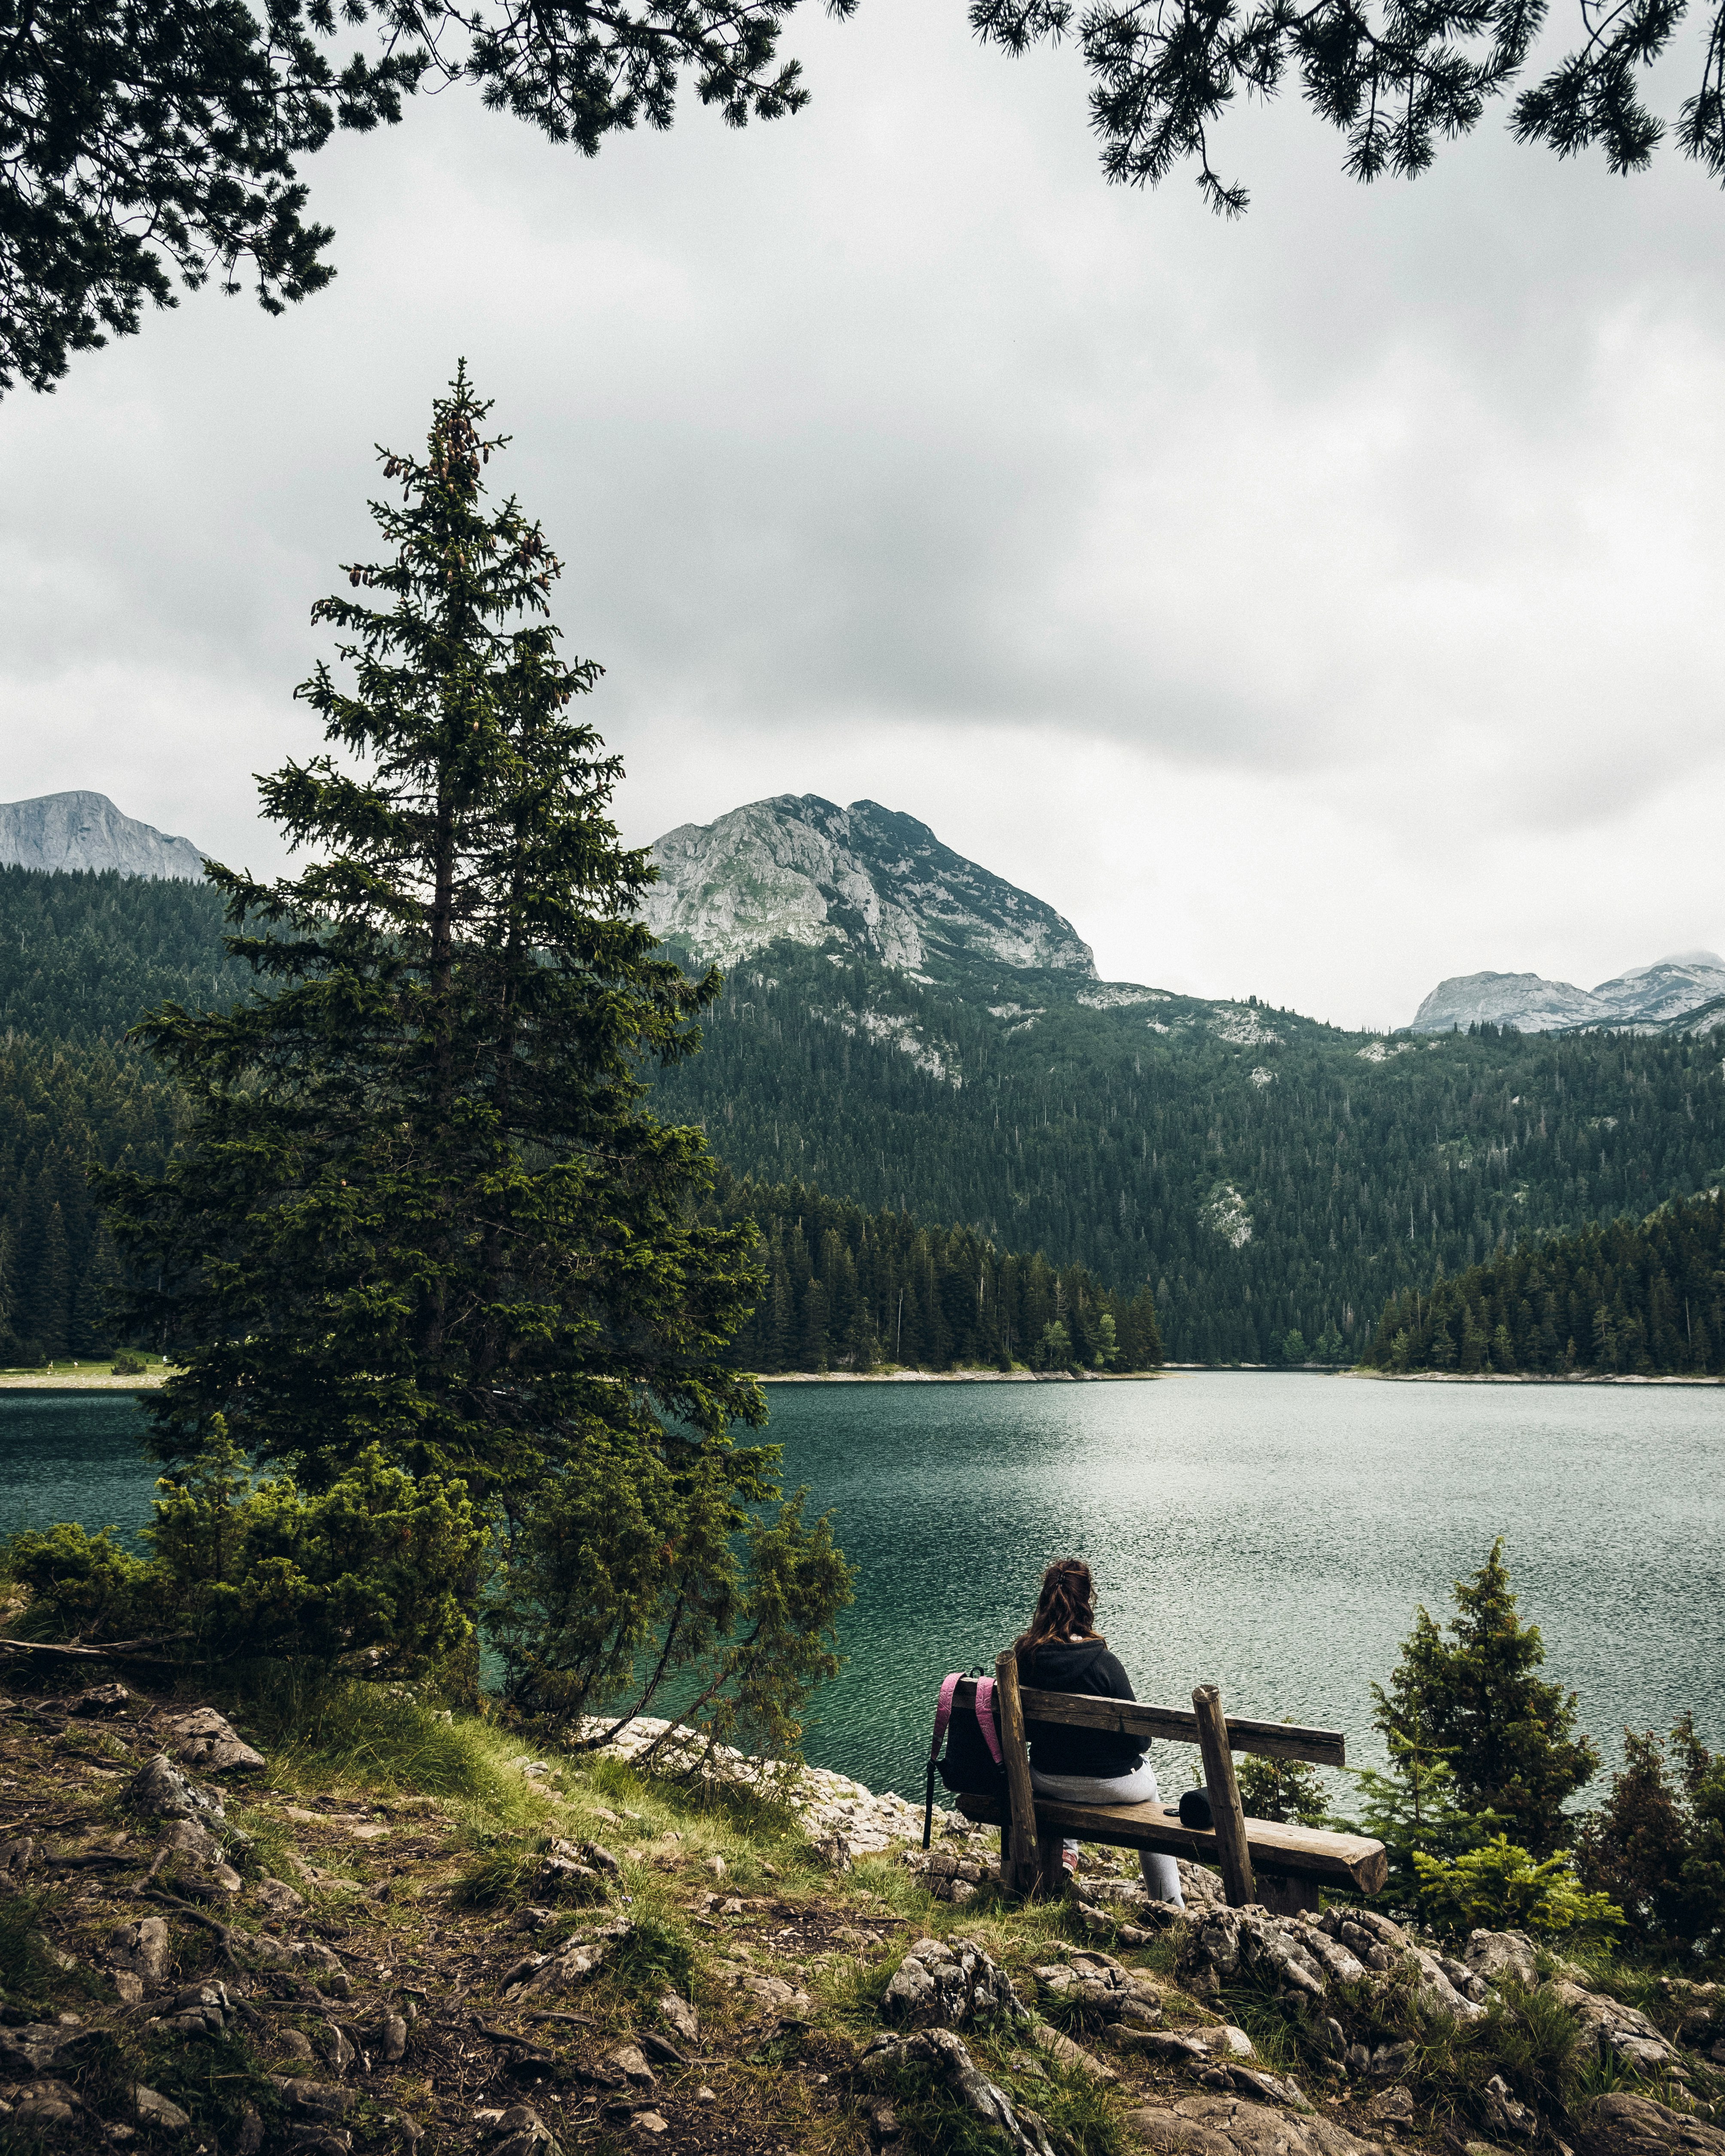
(967, 1717)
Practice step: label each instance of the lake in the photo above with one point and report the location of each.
(1269, 1532)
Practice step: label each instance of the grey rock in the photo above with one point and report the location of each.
(155, 2110)
(1494, 1955)
(331, 2046)
(34, 2049)
(541, 1973)
(17, 1856)
(140, 1947)
(1624, 2125)
(159, 1789)
(1023, 2133)
(1228, 2125)
(318, 2101)
(100, 1699)
(521, 2132)
(1254, 2081)
(676, 2013)
(278, 1898)
(1392, 2107)
(84, 830)
(630, 2061)
(1646, 996)
(951, 1986)
(204, 1739)
(1061, 2046)
(1505, 2115)
(566, 1879)
(946, 1875)
(43, 2106)
(1618, 2031)
(1105, 1988)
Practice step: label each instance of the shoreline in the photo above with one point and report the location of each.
(954, 1377)
(44, 1381)
(75, 1381)
(1524, 1378)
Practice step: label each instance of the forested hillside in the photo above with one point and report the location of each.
(82, 954)
(1264, 1172)
(61, 1106)
(1629, 1297)
(856, 1288)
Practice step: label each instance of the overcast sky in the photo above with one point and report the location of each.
(1312, 607)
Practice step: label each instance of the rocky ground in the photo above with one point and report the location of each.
(386, 1929)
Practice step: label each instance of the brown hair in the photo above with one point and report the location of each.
(1066, 1610)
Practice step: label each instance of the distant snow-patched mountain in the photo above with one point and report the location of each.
(1648, 998)
(87, 831)
(863, 880)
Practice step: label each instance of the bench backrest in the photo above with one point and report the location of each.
(1178, 1725)
(1217, 1738)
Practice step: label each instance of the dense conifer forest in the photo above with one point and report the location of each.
(63, 1106)
(1274, 1180)
(1624, 1297)
(1266, 1173)
(82, 954)
(854, 1289)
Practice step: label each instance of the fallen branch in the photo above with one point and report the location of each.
(115, 1650)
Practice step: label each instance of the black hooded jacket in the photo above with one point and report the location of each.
(1079, 1666)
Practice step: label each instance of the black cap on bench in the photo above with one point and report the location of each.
(1195, 1809)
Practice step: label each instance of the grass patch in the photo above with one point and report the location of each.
(657, 1956)
(336, 1732)
(1280, 2033)
(497, 1874)
(26, 1970)
(215, 2079)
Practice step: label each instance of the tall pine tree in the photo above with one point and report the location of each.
(420, 1207)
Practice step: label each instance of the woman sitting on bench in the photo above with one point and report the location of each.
(1063, 1652)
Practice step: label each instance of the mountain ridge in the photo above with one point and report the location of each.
(870, 881)
(1645, 998)
(83, 830)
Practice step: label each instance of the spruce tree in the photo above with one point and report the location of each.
(421, 1212)
(1471, 1707)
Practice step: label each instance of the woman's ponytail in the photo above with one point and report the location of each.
(1066, 1610)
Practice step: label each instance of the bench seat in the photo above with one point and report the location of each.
(1305, 1857)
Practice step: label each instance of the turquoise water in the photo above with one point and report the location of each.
(1270, 1533)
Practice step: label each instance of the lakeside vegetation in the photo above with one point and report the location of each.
(847, 1289)
(1265, 1174)
(1629, 1298)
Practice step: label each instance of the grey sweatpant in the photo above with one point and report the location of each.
(1162, 1878)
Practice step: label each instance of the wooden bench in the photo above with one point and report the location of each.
(1283, 1866)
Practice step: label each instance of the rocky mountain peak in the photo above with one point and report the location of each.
(84, 830)
(866, 880)
(1646, 996)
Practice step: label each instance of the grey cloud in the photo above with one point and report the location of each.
(892, 454)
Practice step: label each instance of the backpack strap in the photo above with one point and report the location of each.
(986, 1712)
(942, 1715)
